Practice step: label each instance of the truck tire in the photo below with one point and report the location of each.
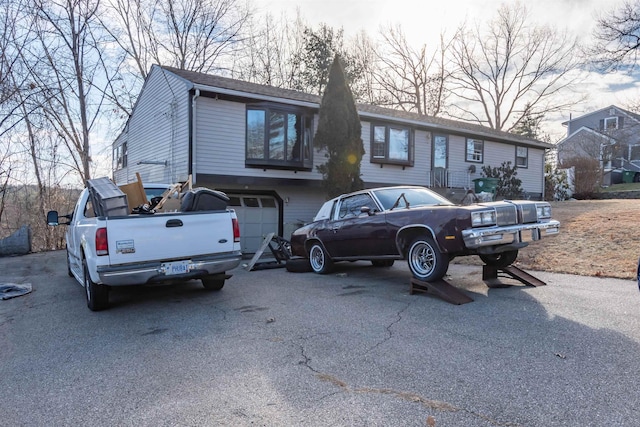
(319, 259)
(426, 262)
(500, 260)
(212, 283)
(97, 295)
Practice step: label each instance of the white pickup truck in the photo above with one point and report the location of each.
(139, 249)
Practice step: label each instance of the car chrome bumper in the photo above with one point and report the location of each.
(139, 274)
(521, 233)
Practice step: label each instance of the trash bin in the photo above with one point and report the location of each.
(627, 176)
(488, 185)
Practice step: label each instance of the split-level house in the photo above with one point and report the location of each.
(611, 136)
(255, 143)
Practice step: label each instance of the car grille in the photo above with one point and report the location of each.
(529, 213)
(507, 215)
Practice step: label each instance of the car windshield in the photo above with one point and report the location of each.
(414, 196)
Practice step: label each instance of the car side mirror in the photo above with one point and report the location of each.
(52, 218)
(367, 210)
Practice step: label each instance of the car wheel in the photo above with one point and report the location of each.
(97, 295)
(298, 265)
(212, 283)
(382, 262)
(426, 262)
(320, 261)
(500, 260)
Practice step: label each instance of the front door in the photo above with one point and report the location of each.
(440, 157)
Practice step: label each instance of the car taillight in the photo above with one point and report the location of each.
(236, 230)
(102, 244)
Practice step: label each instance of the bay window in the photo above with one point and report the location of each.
(279, 138)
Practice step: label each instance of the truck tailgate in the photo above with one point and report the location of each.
(172, 236)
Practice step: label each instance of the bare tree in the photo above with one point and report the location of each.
(266, 56)
(511, 70)
(5, 177)
(411, 79)
(617, 37)
(65, 62)
(15, 34)
(187, 34)
(363, 52)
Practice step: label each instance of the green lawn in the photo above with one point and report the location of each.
(631, 186)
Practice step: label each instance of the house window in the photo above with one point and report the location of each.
(120, 156)
(522, 157)
(391, 144)
(475, 150)
(610, 123)
(279, 138)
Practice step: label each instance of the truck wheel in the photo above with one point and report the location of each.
(382, 262)
(426, 262)
(500, 260)
(212, 283)
(97, 295)
(320, 261)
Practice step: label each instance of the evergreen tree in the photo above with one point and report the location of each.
(339, 133)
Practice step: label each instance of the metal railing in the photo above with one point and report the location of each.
(445, 178)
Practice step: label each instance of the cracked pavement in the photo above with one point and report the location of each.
(352, 348)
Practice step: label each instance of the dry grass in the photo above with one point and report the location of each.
(597, 238)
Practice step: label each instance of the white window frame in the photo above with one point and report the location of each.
(519, 155)
(608, 120)
(476, 153)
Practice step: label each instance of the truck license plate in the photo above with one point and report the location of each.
(178, 267)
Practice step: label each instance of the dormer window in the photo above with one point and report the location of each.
(610, 123)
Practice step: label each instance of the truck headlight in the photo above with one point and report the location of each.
(482, 218)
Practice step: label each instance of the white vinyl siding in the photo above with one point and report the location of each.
(532, 177)
(158, 132)
(397, 174)
(221, 143)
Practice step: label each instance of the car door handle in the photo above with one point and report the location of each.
(174, 223)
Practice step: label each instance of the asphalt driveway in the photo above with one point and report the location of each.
(353, 348)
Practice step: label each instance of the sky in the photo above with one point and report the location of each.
(423, 21)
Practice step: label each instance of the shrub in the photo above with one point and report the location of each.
(588, 176)
(509, 185)
(556, 184)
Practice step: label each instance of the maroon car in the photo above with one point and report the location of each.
(414, 223)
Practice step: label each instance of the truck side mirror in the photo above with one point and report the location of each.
(52, 218)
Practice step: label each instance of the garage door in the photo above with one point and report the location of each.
(257, 215)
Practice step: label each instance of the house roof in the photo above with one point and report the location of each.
(214, 83)
(627, 113)
(585, 129)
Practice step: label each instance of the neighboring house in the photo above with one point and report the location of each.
(611, 136)
(255, 143)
